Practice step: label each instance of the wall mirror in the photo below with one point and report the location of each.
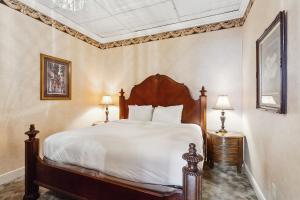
(271, 56)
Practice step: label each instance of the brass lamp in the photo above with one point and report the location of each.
(106, 101)
(223, 104)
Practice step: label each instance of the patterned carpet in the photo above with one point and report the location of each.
(221, 183)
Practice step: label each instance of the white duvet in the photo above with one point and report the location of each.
(145, 152)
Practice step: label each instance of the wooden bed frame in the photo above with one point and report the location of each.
(156, 90)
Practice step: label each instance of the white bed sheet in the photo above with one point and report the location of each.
(146, 152)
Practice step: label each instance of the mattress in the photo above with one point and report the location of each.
(142, 152)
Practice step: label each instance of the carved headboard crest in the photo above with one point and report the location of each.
(161, 90)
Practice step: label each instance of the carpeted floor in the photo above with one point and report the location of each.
(221, 183)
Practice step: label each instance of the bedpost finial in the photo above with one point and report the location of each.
(203, 91)
(192, 149)
(122, 92)
(192, 159)
(32, 132)
(32, 127)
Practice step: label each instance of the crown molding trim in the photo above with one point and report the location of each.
(21, 7)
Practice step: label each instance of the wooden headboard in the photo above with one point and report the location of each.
(161, 90)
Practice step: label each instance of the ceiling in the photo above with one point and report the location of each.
(113, 20)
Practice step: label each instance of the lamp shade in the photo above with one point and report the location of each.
(106, 100)
(223, 103)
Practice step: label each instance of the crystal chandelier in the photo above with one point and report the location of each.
(73, 5)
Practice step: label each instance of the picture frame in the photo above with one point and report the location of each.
(271, 67)
(55, 78)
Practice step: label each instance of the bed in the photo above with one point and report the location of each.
(119, 160)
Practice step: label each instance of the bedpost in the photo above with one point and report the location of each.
(122, 104)
(203, 107)
(192, 175)
(31, 154)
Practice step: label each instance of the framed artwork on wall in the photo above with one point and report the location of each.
(56, 74)
(271, 70)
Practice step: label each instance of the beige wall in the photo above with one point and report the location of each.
(210, 59)
(273, 153)
(22, 41)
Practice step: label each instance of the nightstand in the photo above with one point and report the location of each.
(97, 123)
(226, 149)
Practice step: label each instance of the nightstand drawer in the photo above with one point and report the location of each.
(228, 160)
(230, 147)
(226, 149)
(225, 142)
(231, 159)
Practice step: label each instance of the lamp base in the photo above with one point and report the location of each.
(106, 114)
(222, 130)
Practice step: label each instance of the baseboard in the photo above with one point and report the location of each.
(259, 194)
(12, 175)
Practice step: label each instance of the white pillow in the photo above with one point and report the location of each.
(140, 113)
(170, 114)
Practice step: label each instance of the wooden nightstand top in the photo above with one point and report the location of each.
(229, 134)
(97, 123)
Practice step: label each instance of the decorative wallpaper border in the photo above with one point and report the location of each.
(17, 5)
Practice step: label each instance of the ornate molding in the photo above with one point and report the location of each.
(16, 5)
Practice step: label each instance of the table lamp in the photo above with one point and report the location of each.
(223, 104)
(106, 101)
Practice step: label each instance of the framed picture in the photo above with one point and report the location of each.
(271, 57)
(55, 78)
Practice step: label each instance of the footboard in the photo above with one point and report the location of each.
(83, 186)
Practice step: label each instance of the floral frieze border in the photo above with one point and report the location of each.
(17, 5)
